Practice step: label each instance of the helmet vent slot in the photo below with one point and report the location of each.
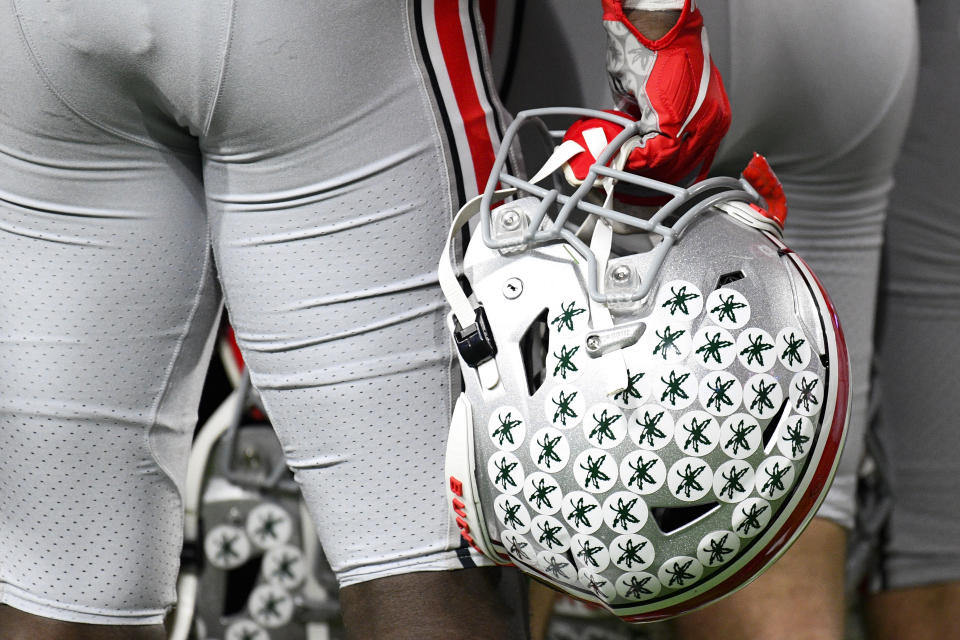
(671, 519)
(534, 346)
(729, 278)
(772, 426)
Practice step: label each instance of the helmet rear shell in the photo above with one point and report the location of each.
(668, 472)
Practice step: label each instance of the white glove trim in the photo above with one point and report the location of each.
(704, 81)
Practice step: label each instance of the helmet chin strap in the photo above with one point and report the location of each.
(469, 321)
(474, 341)
(601, 241)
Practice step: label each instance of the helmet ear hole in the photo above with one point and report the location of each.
(534, 346)
(670, 519)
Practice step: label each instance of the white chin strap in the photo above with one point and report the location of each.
(464, 312)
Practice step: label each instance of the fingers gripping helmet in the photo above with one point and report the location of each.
(644, 428)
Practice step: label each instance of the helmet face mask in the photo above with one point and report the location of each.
(657, 425)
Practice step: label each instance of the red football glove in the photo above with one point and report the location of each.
(673, 88)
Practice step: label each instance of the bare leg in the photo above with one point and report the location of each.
(479, 604)
(919, 613)
(17, 625)
(799, 598)
(653, 24)
(542, 599)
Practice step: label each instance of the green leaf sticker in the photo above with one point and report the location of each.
(806, 395)
(753, 352)
(540, 497)
(642, 472)
(738, 443)
(565, 366)
(604, 431)
(667, 347)
(774, 477)
(640, 476)
(674, 392)
(649, 428)
(511, 513)
(557, 568)
(578, 514)
(728, 308)
(630, 555)
(504, 477)
(753, 516)
(516, 547)
(623, 516)
(505, 472)
(697, 437)
(632, 391)
(565, 319)
(597, 584)
(595, 473)
(679, 298)
(733, 481)
(793, 349)
(762, 396)
(718, 550)
(795, 443)
(588, 554)
(504, 432)
(755, 349)
(565, 409)
(549, 533)
(678, 571)
(636, 587)
(690, 479)
(507, 428)
(709, 351)
(719, 398)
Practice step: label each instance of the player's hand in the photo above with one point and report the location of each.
(672, 87)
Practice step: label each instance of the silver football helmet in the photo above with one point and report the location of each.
(653, 408)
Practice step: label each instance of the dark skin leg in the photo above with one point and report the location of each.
(469, 604)
(542, 599)
(782, 604)
(653, 24)
(17, 625)
(930, 612)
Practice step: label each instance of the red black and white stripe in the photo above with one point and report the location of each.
(453, 48)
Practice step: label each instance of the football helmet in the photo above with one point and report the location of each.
(653, 408)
